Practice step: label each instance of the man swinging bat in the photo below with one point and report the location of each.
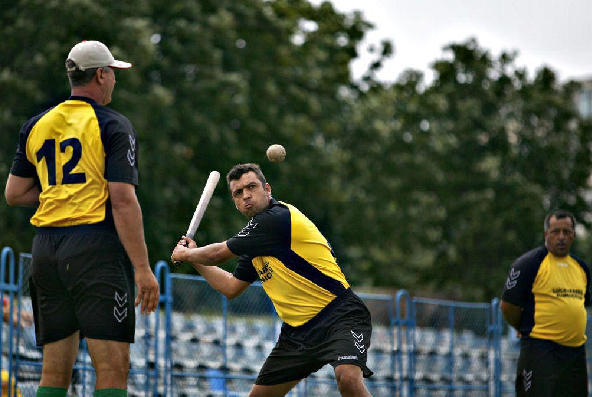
(324, 322)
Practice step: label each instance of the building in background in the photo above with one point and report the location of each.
(584, 98)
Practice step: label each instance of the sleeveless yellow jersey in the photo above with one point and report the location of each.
(552, 292)
(73, 150)
(285, 250)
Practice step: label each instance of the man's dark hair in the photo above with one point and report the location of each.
(559, 214)
(79, 77)
(238, 170)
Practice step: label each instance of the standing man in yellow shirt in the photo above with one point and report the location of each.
(77, 164)
(324, 321)
(544, 298)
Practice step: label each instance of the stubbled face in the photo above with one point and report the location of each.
(107, 76)
(559, 236)
(250, 196)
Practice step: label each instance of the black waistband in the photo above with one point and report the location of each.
(103, 226)
(529, 341)
(323, 313)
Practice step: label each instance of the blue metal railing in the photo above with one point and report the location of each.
(402, 320)
(17, 361)
(12, 288)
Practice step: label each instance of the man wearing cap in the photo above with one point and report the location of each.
(78, 164)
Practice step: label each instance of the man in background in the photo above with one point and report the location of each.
(544, 299)
(78, 164)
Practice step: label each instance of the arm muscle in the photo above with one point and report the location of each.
(222, 281)
(21, 191)
(512, 313)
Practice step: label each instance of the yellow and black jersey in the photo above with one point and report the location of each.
(295, 263)
(73, 150)
(552, 291)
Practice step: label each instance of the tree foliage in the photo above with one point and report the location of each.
(431, 186)
(213, 84)
(456, 176)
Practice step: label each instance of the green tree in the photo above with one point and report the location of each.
(434, 187)
(213, 84)
(460, 172)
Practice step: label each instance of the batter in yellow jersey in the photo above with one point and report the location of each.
(324, 321)
(293, 260)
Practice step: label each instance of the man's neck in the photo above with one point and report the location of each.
(87, 92)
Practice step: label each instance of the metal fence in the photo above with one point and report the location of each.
(21, 358)
(201, 344)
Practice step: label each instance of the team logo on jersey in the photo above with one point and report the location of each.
(512, 279)
(120, 309)
(266, 272)
(247, 229)
(568, 293)
(359, 341)
(131, 152)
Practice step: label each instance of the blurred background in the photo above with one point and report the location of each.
(431, 176)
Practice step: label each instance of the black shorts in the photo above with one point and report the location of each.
(547, 369)
(339, 334)
(83, 281)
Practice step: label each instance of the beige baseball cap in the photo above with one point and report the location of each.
(93, 54)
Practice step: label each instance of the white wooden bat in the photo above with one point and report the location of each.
(204, 200)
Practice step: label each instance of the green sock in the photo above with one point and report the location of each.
(110, 393)
(49, 391)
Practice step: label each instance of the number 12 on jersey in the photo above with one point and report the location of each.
(48, 151)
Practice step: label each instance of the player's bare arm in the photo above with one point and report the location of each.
(127, 216)
(209, 255)
(511, 313)
(21, 191)
(221, 280)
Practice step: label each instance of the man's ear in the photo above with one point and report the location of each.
(99, 75)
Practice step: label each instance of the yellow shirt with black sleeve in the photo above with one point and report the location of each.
(281, 247)
(73, 150)
(552, 291)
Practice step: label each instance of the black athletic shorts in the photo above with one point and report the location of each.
(81, 280)
(339, 334)
(547, 369)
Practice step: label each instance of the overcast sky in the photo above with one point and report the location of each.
(556, 33)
